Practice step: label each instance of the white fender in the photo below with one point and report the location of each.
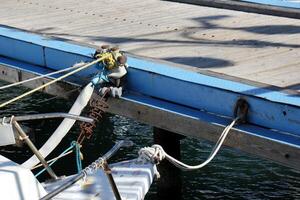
(64, 127)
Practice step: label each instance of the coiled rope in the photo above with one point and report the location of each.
(54, 81)
(156, 153)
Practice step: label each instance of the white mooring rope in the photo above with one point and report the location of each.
(42, 76)
(156, 153)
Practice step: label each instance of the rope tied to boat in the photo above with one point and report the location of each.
(79, 157)
(100, 59)
(156, 153)
(74, 146)
(77, 65)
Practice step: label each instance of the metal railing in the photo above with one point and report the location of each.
(23, 136)
(101, 162)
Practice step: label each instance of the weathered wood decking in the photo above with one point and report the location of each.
(250, 46)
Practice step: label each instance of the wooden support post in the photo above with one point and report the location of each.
(170, 183)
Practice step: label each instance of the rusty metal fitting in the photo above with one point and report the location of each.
(241, 110)
(122, 59)
(106, 168)
(105, 46)
(115, 49)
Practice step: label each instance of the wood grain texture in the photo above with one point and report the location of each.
(249, 46)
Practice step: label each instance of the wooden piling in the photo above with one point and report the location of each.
(169, 185)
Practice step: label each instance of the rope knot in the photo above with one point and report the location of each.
(154, 154)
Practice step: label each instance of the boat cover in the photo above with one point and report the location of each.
(133, 181)
(17, 182)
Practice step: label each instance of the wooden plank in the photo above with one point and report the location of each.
(230, 42)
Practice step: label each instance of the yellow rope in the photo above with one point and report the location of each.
(53, 81)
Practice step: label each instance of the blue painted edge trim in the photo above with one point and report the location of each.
(38, 70)
(159, 68)
(279, 3)
(46, 42)
(193, 77)
(276, 136)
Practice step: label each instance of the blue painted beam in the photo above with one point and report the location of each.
(210, 118)
(41, 51)
(273, 110)
(280, 3)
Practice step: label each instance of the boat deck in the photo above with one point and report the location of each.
(249, 46)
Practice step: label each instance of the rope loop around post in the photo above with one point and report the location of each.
(156, 153)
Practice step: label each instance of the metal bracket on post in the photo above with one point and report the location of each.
(241, 110)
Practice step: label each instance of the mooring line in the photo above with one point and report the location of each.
(39, 77)
(53, 81)
(156, 153)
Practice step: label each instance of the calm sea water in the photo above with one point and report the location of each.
(232, 175)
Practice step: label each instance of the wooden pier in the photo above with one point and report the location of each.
(214, 55)
(253, 47)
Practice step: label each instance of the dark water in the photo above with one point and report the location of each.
(232, 175)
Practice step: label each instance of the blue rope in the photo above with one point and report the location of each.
(75, 145)
(77, 151)
(100, 77)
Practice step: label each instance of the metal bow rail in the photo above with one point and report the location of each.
(23, 136)
(101, 162)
